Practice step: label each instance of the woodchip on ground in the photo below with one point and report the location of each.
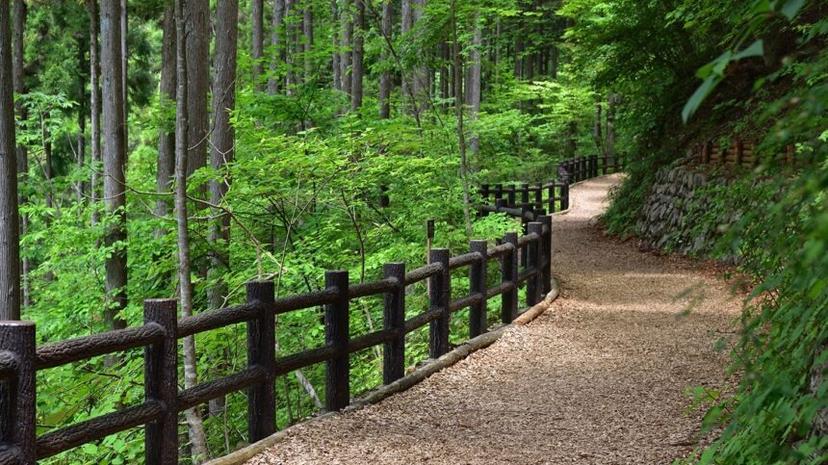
(601, 378)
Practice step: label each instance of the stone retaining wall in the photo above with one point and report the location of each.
(664, 222)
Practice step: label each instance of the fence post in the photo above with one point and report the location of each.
(565, 194)
(498, 193)
(511, 196)
(539, 196)
(261, 351)
(500, 204)
(523, 230)
(337, 373)
(551, 192)
(509, 274)
(161, 383)
(484, 192)
(524, 194)
(547, 253)
(477, 284)
(439, 297)
(534, 286)
(17, 394)
(393, 362)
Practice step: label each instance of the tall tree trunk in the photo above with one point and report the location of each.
(80, 154)
(385, 79)
(358, 55)
(18, 72)
(222, 139)
(406, 23)
(553, 62)
(290, 44)
(445, 79)
(257, 38)
(497, 52)
(198, 439)
(198, 84)
(571, 139)
(94, 105)
(597, 132)
(166, 136)
(114, 160)
(420, 75)
(474, 90)
(458, 108)
(519, 47)
(612, 103)
(276, 34)
(346, 54)
(46, 142)
(307, 30)
(124, 75)
(335, 57)
(9, 226)
(222, 152)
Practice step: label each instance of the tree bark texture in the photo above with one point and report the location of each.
(385, 79)
(94, 104)
(357, 65)
(166, 136)
(198, 440)
(124, 75)
(114, 158)
(257, 38)
(458, 107)
(198, 85)
(222, 139)
(335, 57)
(9, 223)
(346, 54)
(307, 31)
(474, 81)
(18, 72)
(277, 32)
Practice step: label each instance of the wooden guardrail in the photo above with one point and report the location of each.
(522, 260)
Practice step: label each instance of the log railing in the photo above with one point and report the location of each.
(523, 261)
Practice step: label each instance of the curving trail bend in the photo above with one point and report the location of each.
(600, 378)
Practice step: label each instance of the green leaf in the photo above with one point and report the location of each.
(753, 50)
(791, 8)
(698, 97)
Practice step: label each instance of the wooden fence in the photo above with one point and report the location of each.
(522, 260)
(741, 153)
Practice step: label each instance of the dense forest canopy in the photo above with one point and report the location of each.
(182, 148)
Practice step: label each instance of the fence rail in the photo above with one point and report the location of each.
(524, 259)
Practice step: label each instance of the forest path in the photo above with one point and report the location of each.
(600, 378)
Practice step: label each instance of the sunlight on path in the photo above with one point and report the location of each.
(598, 379)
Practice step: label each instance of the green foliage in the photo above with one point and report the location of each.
(772, 219)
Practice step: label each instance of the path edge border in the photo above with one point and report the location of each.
(459, 353)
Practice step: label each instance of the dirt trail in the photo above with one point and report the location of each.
(600, 378)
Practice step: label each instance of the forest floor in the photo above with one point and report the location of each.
(601, 378)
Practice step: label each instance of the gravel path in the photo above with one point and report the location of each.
(600, 378)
